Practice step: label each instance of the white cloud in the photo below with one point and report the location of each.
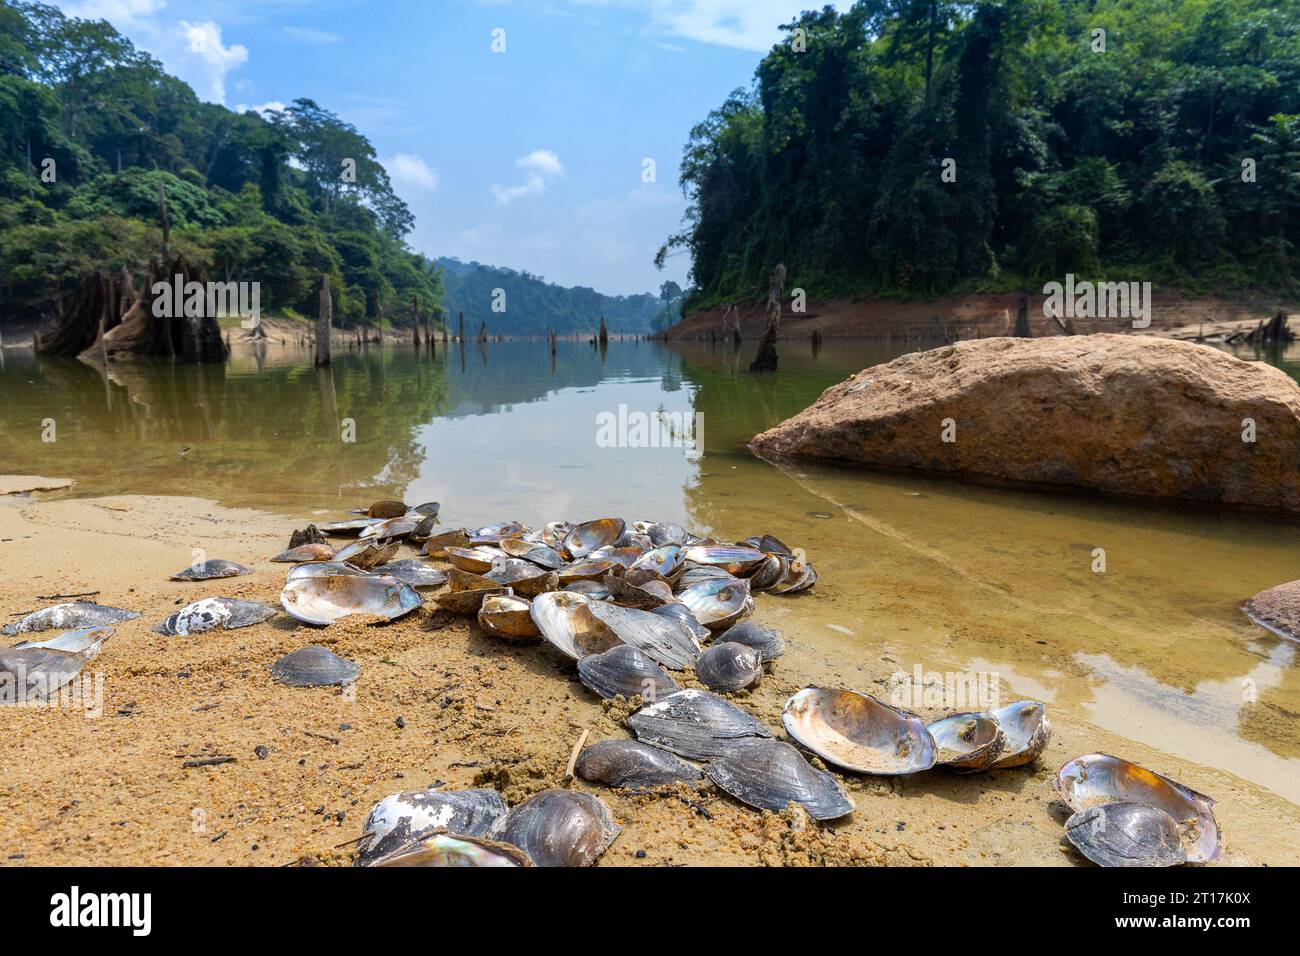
(541, 165)
(407, 169)
(743, 24)
(312, 35)
(209, 58)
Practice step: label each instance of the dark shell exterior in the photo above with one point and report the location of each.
(208, 570)
(632, 765)
(561, 828)
(388, 508)
(728, 668)
(694, 724)
(415, 573)
(314, 666)
(625, 671)
(767, 641)
(769, 775)
(1126, 834)
(401, 818)
(681, 612)
(212, 613)
(668, 641)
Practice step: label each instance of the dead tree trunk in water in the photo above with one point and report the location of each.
(415, 323)
(324, 321)
(766, 359)
(604, 333)
(482, 331)
(461, 334)
(1022, 317)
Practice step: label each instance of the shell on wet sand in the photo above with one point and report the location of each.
(304, 553)
(1097, 779)
(35, 674)
(212, 613)
(627, 672)
(367, 553)
(769, 775)
(858, 732)
(632, 765)
(400, 818)
(1026, 729)
(69, 617)
(523, 577)
(209, 570)
(325, 600)
(314, 666)
(694, 724)
(728, 667)
(667, 640)
(504, 615)
(85, 643)
(1126, 834)
(680, 612)
(967, 741)
(450, 849)
(561, 828)
(718, 603)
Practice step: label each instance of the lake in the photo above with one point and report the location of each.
(914, 572)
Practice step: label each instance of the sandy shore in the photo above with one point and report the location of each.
(436, 701)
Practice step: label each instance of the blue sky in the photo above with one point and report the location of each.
(530, 158)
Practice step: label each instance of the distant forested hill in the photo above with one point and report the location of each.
(926, 146)
(533, 305)
(90, 128)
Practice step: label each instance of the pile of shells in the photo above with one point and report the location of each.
(32, 671)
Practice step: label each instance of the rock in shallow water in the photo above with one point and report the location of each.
(1277, 609)
(1121, 414)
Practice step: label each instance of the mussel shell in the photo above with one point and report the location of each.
(694, 724)
(415, 573)
(491, 534)
(85, 643)
(768, 573)
(208, 570)
(1126, 834)
(632, 765)
(858, 732)
(436, 545)
(476, 560)
(555, 532)
(393, 528)
(694, 574)
(410, 815)
(1025, 726)
(69, 617)
(590, 569)
(304, 553)
(34, 674)
(731, 557)
(728, 668)
(768, 544)
(366, 553)
(1097, 779)
(799, 576)
(325, 600)
(350, 528)
(680, 612)
(322, 569)
(387, 508)
(429, 509)
(622, 558)
(314, 666)
(592, 535)
(967, 741)
(668, 641)
(451, 849)
(211, 613)
(503, 615)
(565, 621)
(665, 561)
(468, 599)
(767, 641)
(625, 671)
(595, 590)
(664, 533)
(561, 828)
(769, 775)
(523, 577)
(719, 603)
(647, 595)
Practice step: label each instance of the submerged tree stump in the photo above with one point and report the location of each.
(324, 323)
(766, 359)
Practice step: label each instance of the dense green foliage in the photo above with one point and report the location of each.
(90, 128)
(1127, 162)
(532, 305)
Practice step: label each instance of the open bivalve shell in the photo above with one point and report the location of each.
(69, 617)
(410, 815)
(1026, 729)
(1095, 780)
(718, 603)
(968, 741)
(451, 849)
(694, 724)
(561, 828)
(504, 615)
(565, 621)
(769, 775)
(593, 535)
(325, 600)
(858, 732)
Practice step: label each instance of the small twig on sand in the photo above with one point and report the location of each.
(208, 762)
(64, 597)
(332, 740)
(364, 836)
(573, 755)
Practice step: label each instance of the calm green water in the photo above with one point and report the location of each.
(914, 571)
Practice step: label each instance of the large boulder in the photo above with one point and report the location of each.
(1277, 609)
(1125, 415)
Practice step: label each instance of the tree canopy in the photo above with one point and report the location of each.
(914, 147)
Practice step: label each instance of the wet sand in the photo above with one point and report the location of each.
(473, 711)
